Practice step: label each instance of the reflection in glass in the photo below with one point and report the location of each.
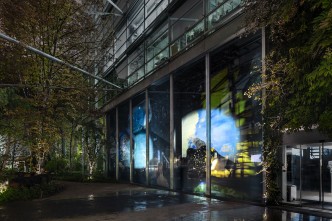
(111, 140)
(124, 142)
(153, 8)
(190, 147)
(157, 51)
(327, 174)
(139, 138)
(236, 140)
(159, 162)
(311, 173)
(222, 9)
(293, 173)
(188, 38)
(135, 23)
(136, 65)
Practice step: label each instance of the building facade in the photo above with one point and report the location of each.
(185, 67)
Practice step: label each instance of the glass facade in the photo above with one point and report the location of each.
(235, 137)
(186, 25)
(189, 127)
(124, 142)
(308, 169)
(157, 51)
(139, 138)
(219, 9)
(162, 132)
(178, 104)
(159, 128)
(161, 31)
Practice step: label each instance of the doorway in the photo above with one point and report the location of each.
(307, 175)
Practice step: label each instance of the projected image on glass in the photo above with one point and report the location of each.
(140, 150)
(159, 162)
(124, 151)
(224, 138)
(139, 138)
(224, 133)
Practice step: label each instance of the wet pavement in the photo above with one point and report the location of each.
(122, 202)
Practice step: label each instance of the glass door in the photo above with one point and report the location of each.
(311, 176)
(293, 174)
(326, 175)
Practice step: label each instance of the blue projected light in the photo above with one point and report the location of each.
(124, 150)
(138, 119)
(224, 133)
(140, 150)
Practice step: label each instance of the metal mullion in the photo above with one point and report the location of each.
(147, 131)
(117, 143)
(208, 125)
(172, 134)
(131, 140)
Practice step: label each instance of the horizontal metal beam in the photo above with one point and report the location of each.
(52, 58)
(53, 87)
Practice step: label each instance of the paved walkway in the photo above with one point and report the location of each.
(124, 202)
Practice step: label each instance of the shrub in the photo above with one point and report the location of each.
(25, 193)
(56, 165)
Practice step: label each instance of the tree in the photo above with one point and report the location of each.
(94, 141)
(48, 100)
(298, 78)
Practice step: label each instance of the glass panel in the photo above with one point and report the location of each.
(185, 17)
(157, 42)
(293, 163)
(153, 8)
(120, 41)
(111, 138)
(135, 23)
(327, 175)
(311, 173)
(124, 142)
(223, 9)
(189, 37)
(235, 132)
(158, 60)
(139, 139)
(190, 128)
(136, 76)
(159, 163)
(135, 67)
(157, 51)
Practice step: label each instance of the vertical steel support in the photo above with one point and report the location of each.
(131, 140)
(263, 104)
(208, 125)
(301, 174)
(147, 113)
(171, 132)
(284, 173)
(321, 193)
(107, 146)
(117, 144)
(83, 152)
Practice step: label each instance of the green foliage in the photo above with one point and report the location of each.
(298, 79)
(56, 165)
(47, 101)
(74, 176)
(24, 193)
(7, 174)
(227, 192)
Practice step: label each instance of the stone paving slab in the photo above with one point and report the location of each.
(125, 202)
